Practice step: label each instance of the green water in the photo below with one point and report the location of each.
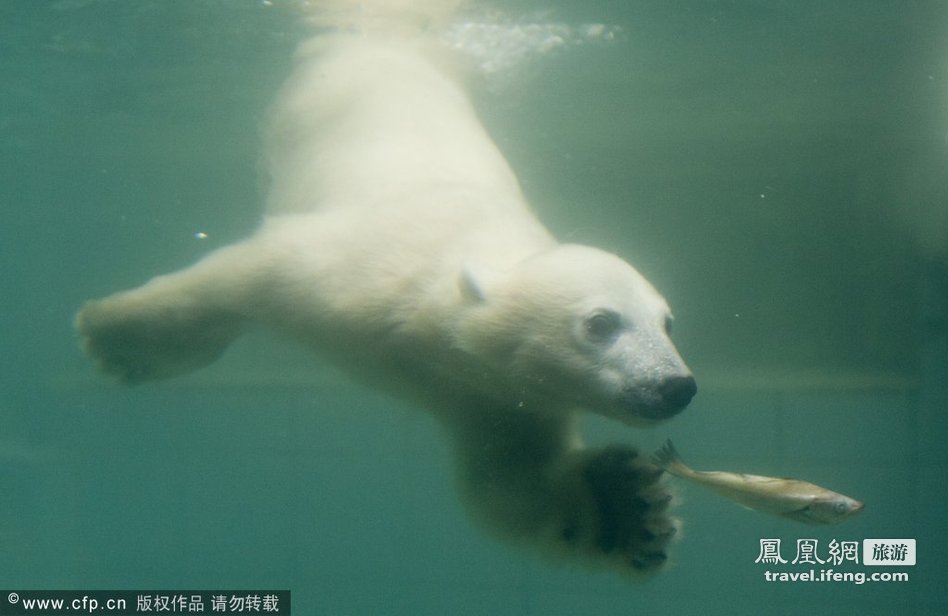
(778, 169)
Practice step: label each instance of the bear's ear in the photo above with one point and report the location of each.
(471, 285)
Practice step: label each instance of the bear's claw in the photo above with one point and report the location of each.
(632, 507)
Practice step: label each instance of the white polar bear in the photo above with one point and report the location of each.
(398, 243)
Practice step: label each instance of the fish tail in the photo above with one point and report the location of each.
(667, 458)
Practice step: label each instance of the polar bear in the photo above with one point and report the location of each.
(398, 243)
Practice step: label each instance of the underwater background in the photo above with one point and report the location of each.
(777, 168)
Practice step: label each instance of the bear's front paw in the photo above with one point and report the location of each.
(632, 504)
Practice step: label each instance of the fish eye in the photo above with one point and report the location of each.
(602, 325)
(668, 324)
(840, 507)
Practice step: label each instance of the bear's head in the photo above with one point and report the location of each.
(579, 327)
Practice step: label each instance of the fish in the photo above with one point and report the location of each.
(789, 498)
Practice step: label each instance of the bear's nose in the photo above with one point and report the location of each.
(677, 391)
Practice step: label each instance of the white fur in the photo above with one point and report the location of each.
(398, 242)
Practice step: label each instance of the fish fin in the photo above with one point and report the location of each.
(667, 458)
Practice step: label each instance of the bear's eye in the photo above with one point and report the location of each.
(603, 325)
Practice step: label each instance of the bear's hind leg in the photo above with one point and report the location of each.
(171, 325)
